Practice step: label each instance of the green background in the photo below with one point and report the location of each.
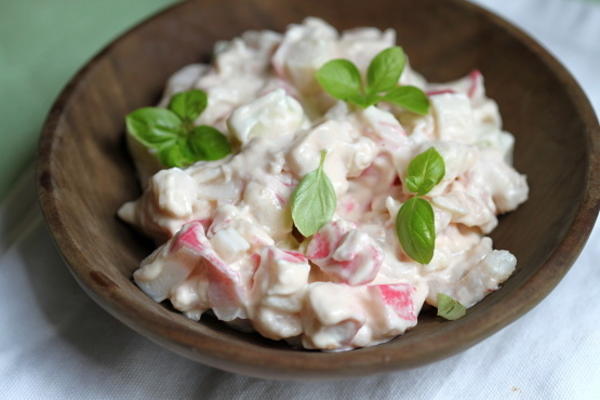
(42, 44)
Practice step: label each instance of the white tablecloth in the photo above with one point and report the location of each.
(55, 343)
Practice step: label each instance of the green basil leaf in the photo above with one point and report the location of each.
(369, 99)
(341, 79)
(154, 127)
(175, 155)
(408, 97)
(189, 105)
(385, 69)
(415, 227)
(313, 201)
(425, 171)
(207, 143)
(449, 308)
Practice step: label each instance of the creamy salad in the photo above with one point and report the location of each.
(227, 239)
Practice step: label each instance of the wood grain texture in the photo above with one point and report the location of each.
(85, 173)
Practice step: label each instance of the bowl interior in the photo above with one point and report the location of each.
(85, 173)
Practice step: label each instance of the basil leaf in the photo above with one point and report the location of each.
(204, 143)
(408, 97)
(313, 201)
(207, 143)
(175, 155)
(415, 227)
(189, 105)
(449, 308)
(425, 171)
(385, 69)
(369, 100)
(154, 127)
(341, 79)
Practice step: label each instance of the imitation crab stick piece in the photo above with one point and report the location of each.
(190, 251)
(345, 253)
(396, 306)
(438, 92)
(475, 83)
(397, 298)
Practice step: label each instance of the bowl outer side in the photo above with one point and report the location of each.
(226, 351)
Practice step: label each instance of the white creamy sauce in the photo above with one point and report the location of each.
(225, 227)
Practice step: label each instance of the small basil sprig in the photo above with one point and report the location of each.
(341, 79)
(313, 201)
(172, 134)
(449, 308)
(415, 222)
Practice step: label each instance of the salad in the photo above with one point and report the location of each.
(312, 187)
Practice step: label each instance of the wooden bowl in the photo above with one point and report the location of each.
(85, 172)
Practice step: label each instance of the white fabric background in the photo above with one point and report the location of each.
(55, 343)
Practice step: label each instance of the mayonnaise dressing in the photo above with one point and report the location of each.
(225, 228)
